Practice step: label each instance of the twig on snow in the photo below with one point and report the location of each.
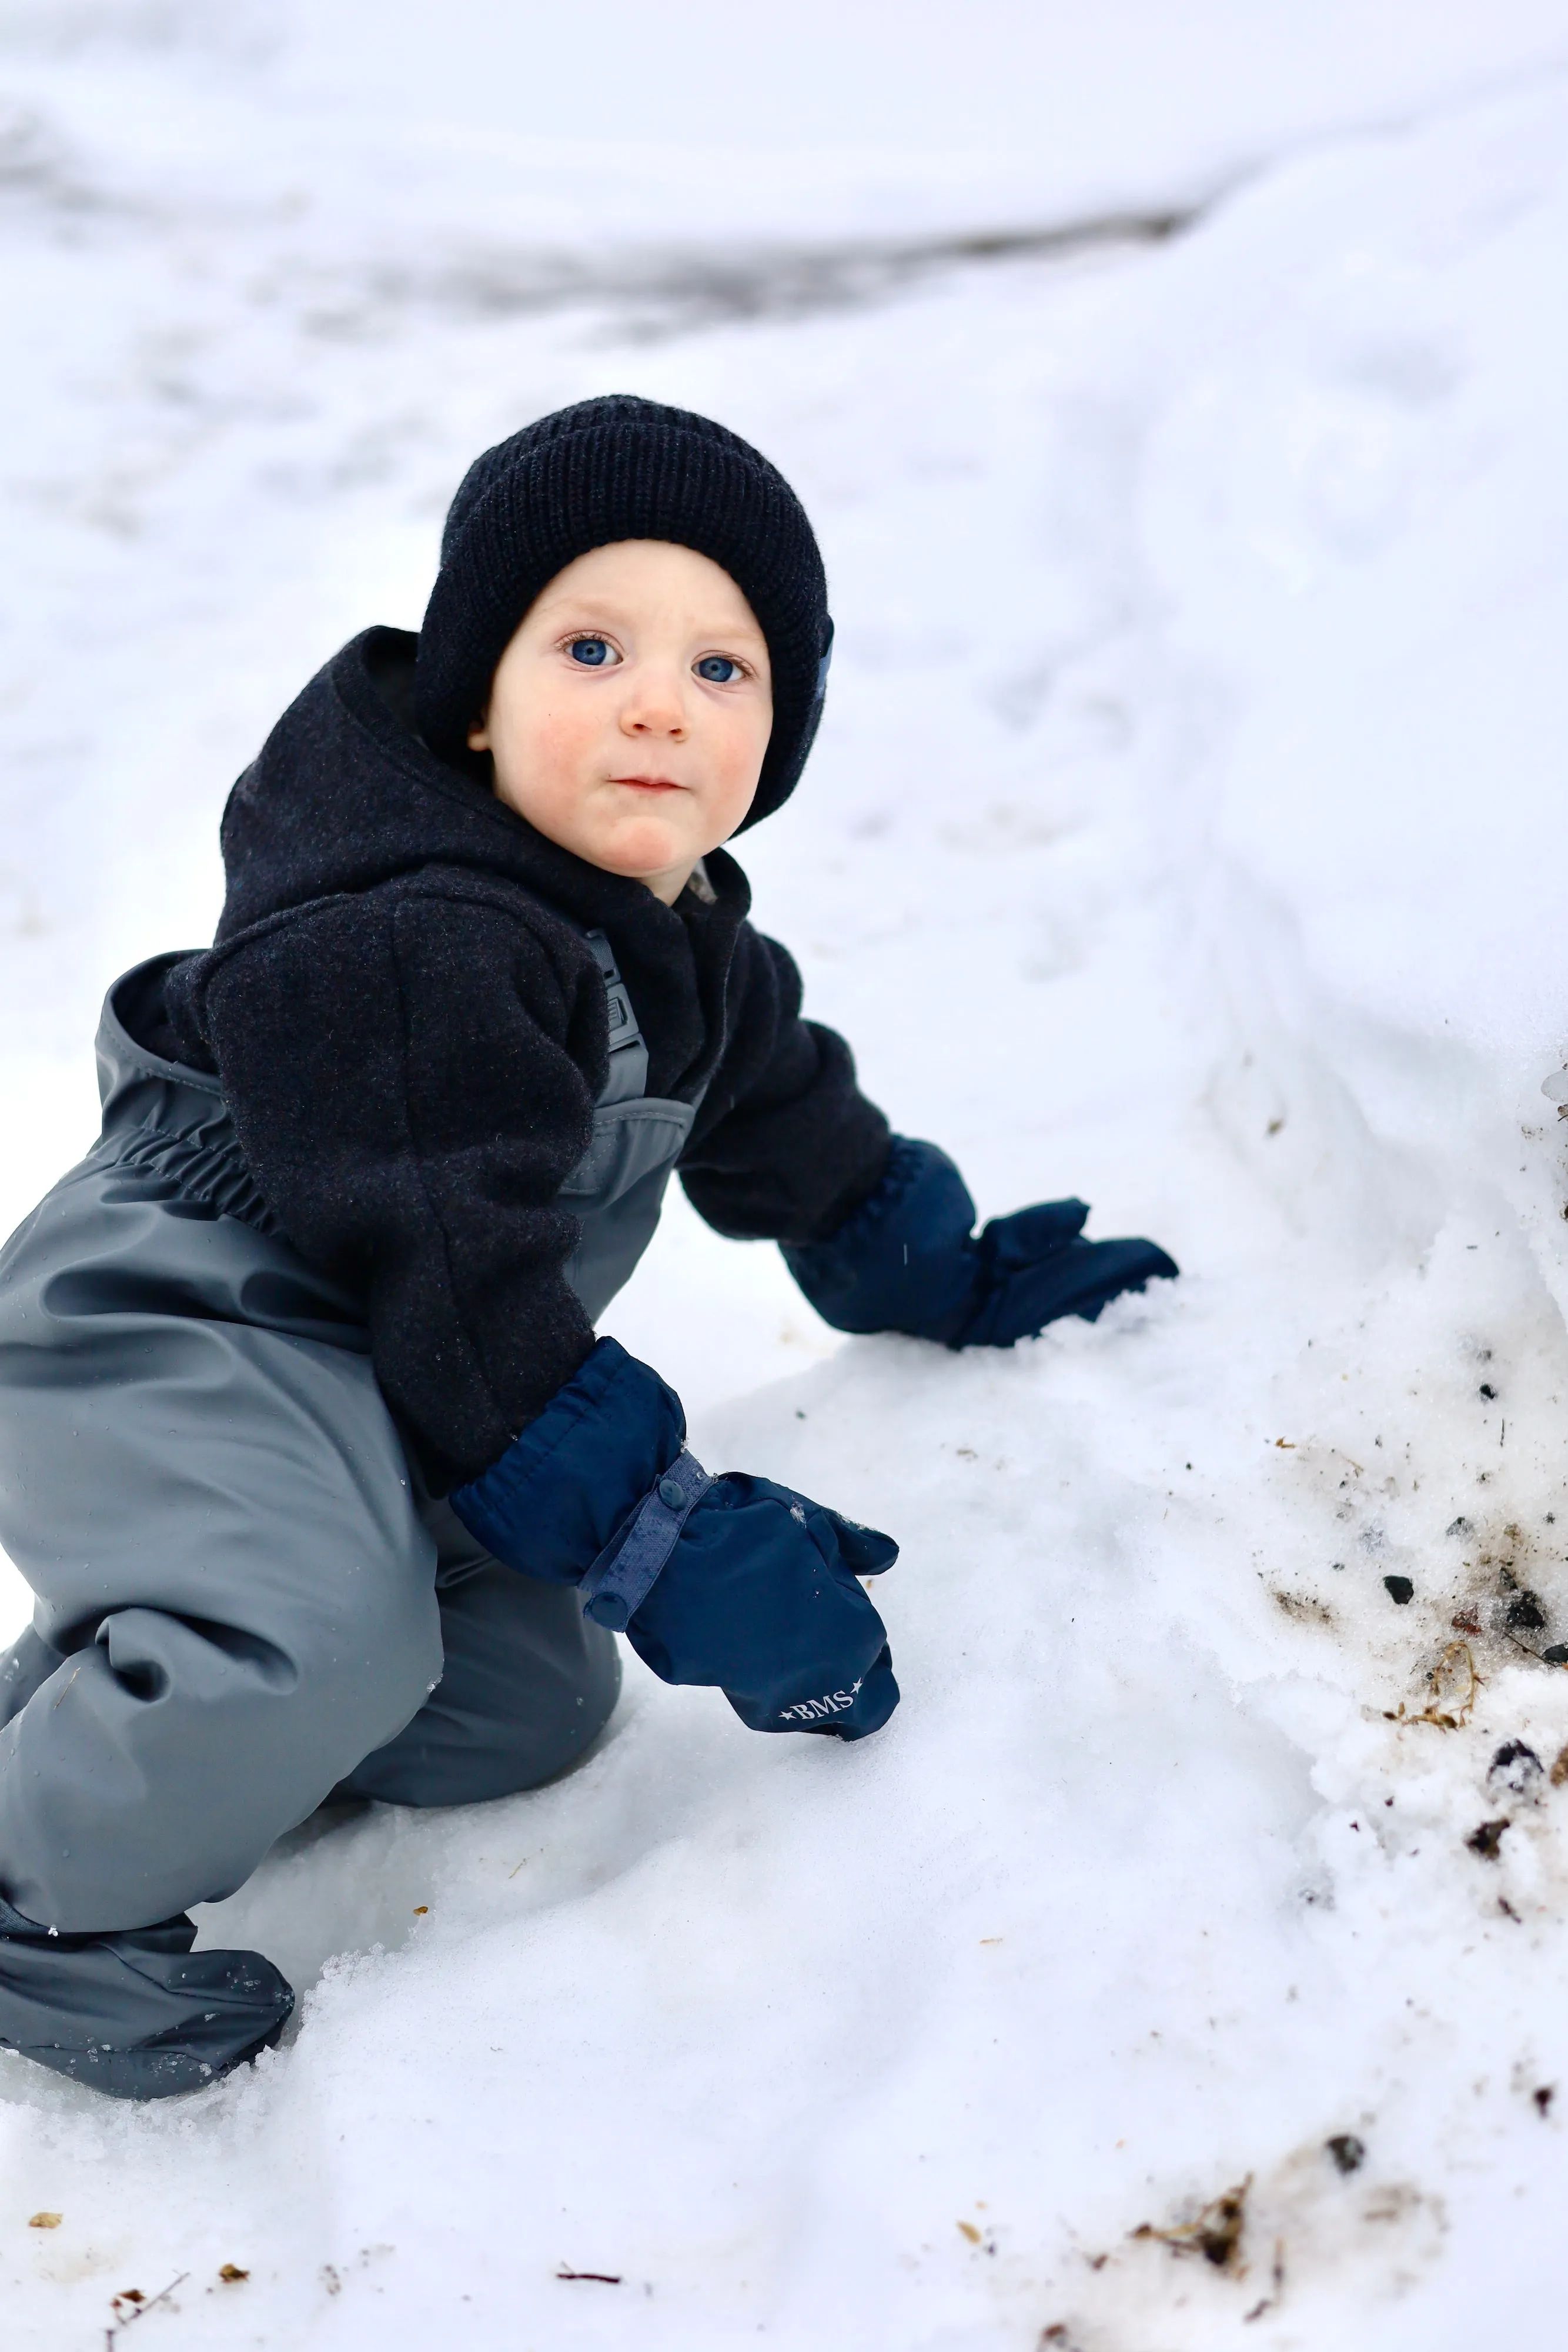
(141, 2310)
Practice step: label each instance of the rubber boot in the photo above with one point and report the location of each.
(139, 2015)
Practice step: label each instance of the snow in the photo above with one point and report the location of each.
(1186, 832)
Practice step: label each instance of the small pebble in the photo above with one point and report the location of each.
(1400, 1589)
(1516, 1767)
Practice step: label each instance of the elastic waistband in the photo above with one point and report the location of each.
(201, 1163)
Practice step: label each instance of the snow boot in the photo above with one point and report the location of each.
(139, 2014)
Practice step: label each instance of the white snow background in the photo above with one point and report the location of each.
(1187, 831)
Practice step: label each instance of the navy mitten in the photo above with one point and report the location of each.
(760, 1597)
(909, 1260)
(732, 1581)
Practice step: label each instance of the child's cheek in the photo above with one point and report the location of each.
(560, 746)
(743, 752)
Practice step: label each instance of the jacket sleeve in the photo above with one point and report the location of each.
(412, 1078)
(785, 1145)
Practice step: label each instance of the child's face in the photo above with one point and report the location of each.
(629, 715)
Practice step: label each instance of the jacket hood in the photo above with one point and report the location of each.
(344, 795)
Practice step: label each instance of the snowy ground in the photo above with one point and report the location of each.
(1187, 831)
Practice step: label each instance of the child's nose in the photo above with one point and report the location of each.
(657, 708)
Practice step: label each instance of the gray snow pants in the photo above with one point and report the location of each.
(244, 1603)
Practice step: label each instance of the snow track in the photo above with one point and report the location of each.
(1186, 832)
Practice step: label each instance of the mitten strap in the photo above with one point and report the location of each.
(624, 1573)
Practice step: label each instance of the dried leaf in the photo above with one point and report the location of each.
(968, 2230)
(45, 2221)
(1216, 2234)
(1453, 1683)
(1454, 1680)
(231, 2273)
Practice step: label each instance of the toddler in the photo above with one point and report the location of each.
(308, 1449)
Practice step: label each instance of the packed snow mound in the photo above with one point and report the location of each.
(484, 149)
(1181, 1967)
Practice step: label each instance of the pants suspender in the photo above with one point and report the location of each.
(628, 1079)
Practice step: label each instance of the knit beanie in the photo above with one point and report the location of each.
(622, 468)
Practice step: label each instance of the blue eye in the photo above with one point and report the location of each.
(717, 669)
(592, 652)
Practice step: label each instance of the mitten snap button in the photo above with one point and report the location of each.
(671, 1493)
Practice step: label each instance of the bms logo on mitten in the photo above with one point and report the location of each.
(811, 1710)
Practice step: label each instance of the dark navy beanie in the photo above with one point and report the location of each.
(620, 467)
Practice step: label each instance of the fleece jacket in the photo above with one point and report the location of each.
(409, 1030)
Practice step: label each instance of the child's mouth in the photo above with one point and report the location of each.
(649, 783)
